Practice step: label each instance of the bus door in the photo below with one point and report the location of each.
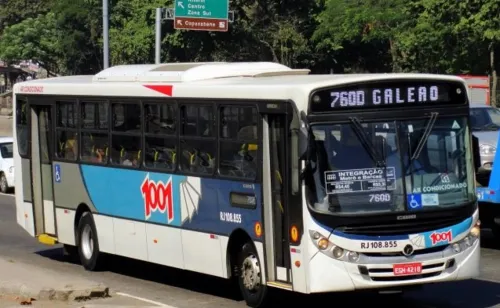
(41, 169)
(276, 206)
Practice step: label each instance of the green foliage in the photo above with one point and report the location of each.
(15, 11)
(33, 38)
(438, 36)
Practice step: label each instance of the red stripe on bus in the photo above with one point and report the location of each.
(167, 90)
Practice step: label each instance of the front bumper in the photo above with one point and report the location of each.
(376, 272)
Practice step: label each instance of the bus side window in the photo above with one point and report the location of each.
(160, 136)
(22, 127)
(94, 132)
(238, 142)
(66, 145)
(198, 147)
(126, 134)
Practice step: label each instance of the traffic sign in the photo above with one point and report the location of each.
(205, 15)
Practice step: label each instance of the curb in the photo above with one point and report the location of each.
(68, 293)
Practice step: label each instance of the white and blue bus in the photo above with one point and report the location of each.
(253, 171)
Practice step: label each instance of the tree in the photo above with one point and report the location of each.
(362, 22)
(79, 25)
(132, 31)
(480, 19)
(15, 11)
(33, 38)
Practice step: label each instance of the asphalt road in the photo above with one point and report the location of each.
(185, 289)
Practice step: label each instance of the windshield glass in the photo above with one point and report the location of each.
(391, 166)
(6, 150)
(485, 119)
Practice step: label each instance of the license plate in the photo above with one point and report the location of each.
(407, 269)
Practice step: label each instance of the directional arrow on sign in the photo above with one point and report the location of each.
(180, 4)
(179, 22)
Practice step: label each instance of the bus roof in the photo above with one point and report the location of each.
(240, 80)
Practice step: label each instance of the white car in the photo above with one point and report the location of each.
(6, 164)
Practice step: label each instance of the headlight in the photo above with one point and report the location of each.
(330, 249)
(486, 149)
(470, 239)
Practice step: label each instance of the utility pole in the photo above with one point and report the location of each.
(105, 34)
(158, 36)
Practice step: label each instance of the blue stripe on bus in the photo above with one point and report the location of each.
(197, 203)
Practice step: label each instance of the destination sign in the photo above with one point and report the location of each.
(360, 180)
(388, 94)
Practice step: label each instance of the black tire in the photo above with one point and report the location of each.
(257, 296)
(88, 245)
(4, 186)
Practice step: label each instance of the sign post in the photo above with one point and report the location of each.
(201, 15)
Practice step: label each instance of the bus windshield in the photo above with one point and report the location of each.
(391, 166)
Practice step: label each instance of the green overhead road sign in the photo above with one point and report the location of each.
(203, 15)
(213, 9)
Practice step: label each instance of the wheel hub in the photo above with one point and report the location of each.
(87, 242)
(250, 272)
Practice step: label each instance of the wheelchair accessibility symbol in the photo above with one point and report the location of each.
(414, 201)
(57, 173)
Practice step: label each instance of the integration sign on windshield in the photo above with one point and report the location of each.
(387, 94)
(360, 180)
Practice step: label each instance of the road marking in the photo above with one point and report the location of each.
(144, 300)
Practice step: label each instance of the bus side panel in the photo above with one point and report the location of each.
(177, 216)
(24, 203)
(69, 193)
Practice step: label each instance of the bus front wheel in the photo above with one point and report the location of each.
(88, 246)
(250, 277)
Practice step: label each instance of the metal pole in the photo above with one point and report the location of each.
(158, 36)
(105, 34)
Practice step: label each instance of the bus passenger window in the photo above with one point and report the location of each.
(159, 118)
(161, 153)
(198, 156)
(197, 121)
(95, 148)
(238, 142)
(160, 135)
(22, 127)
(126, 118)
(94, 132)
(198, 147)
(94, 115)
(126, 138)
(66, 145)
(126, 150)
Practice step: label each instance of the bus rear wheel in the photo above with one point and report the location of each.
(88, 245)
(250, 277)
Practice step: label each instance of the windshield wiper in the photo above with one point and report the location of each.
(425, 136)
(367, 144)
